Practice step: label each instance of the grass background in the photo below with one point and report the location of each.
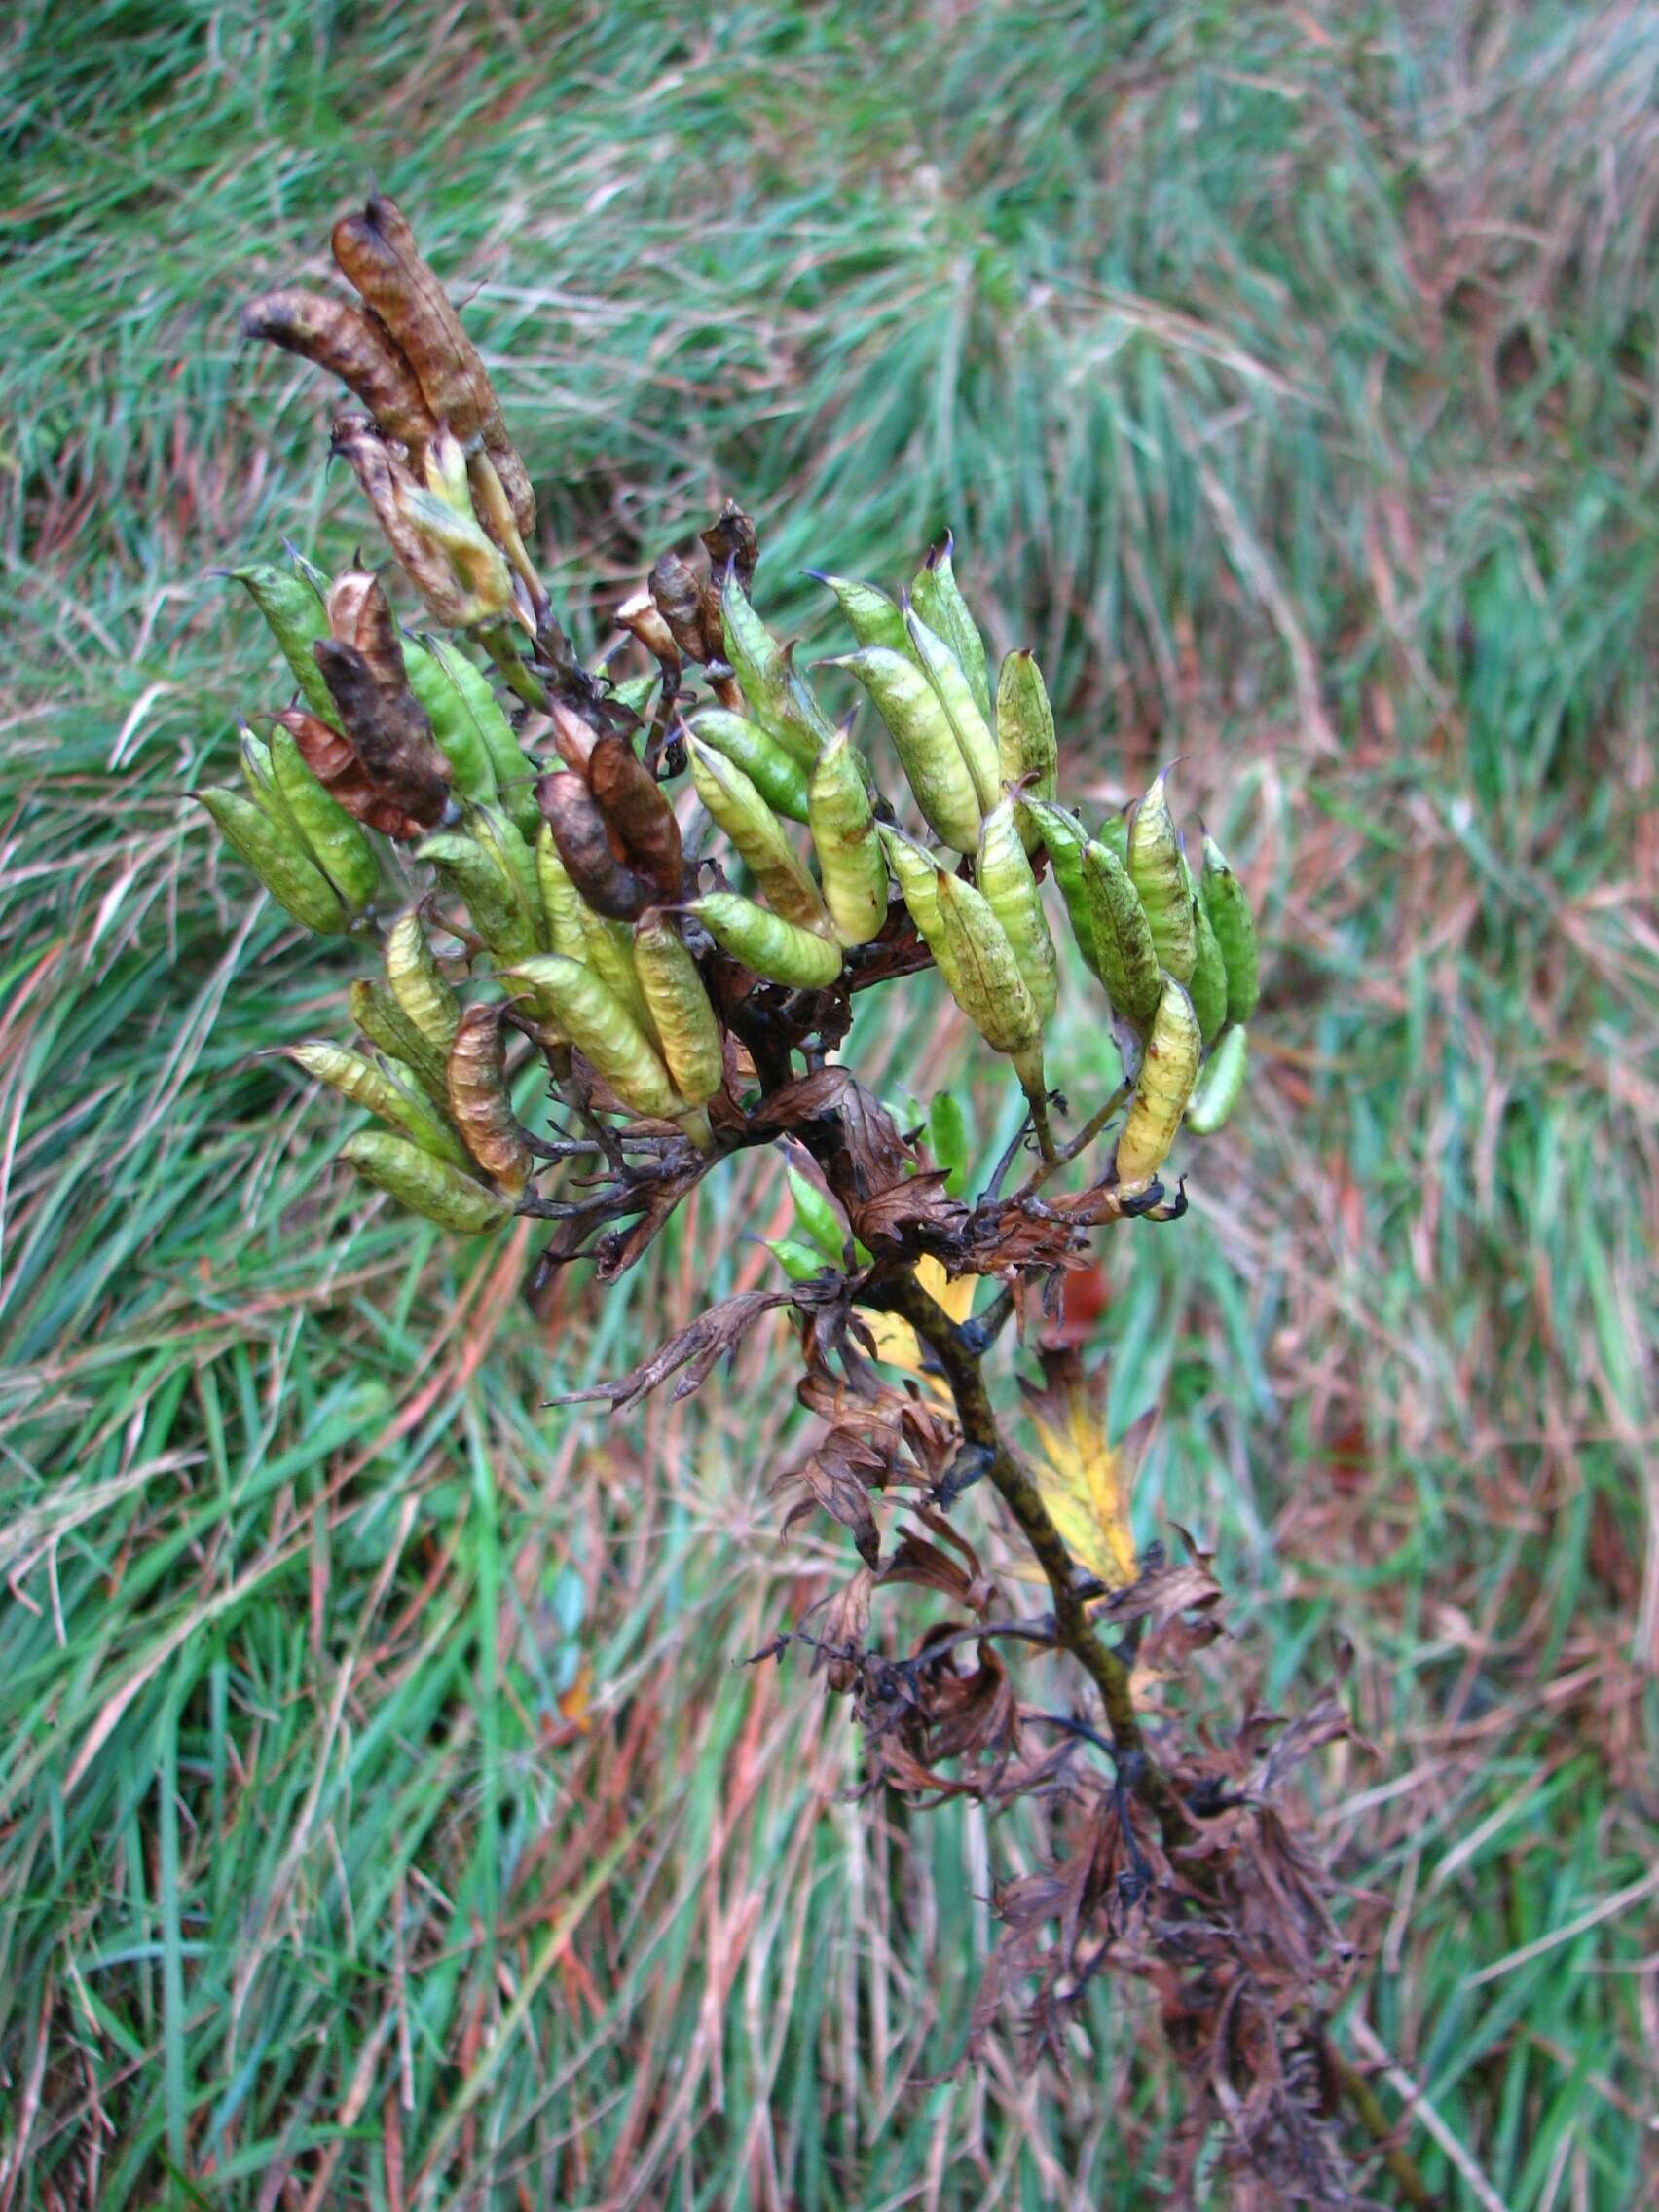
(1289, 378)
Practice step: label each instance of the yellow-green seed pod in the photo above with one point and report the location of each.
(607, 948)
(492, 902)
(925, 741)
(1207, 988)
(253, 755)
(779, 698)
(497, 831)
(603, 1032)
(781, 780)
(985, 978)
(1003, 873)
(515, 775)
(419, 987)
(278, 859)
(1126, 957)
(339, 845)
(1217, 1090)
(680, 1008)
(915, 870)
(955, 695)
(940, 603)
(777, 950)
(1154, 870)
(388, 1029)
(1063, 838)
(1169, 1069)
(481, 1106)
(297, 618)
(1228, 905)
(446, 1194)
(1113, 833)
(380, 1094)
(756, 830)
(874, 618)
(849, 851)
(1026, 744)
(561, 903)
(472, 772)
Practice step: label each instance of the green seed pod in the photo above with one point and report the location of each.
(278, 859)
(848, 849)
(874, 618)
(984, 978)
(926, 744)
(253, 756)
(1063, 838)
(296, 618)
(955, 695)
(1113, 833)
(604, 1032)
(561, 900)
(492, 898)
(338, 844)
(1026, 744)
(778, 951)
(499, 835)
(515, 774)
(1003, 873)
(815, 1214)
(680, 1009)
(800, 1261)
(1169, 1068)
(916, 872)
(446, 1194)
(419, 987)
(1217, 1090)
(754, 829)
(780, 779)
(379, 1094)
(1228, 905)
(607, 948)
(383, 1022)
(778, 697)
(1207, 988)
(1154, 869)
(635, 692)
(1125, 956)
(480, 1103)
(472, 772)
(940, 603)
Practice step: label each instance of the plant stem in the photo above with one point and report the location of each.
(1084, 1138)
(1365, 2101)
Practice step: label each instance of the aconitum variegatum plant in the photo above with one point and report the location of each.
(510, 831)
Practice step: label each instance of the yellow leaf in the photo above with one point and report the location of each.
(1086, 1484)
(897, 1343)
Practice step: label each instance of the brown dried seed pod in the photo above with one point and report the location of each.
(360, 614)
(352, 345)
(378, 253)
(632, 805)
(681, 602)
(730, 539)
(480, 1104)
(573, 736)
(386, 483)
(515, 481)
(608, 885)
(333, 760)
(642, 618)
(388, 731)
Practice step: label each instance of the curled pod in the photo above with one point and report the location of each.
(491, 899)
(1003, 875)
(730, 542)
(417, 983)
(389, 730)
(738, 808)
(850, 859)
(938, 599)
(985, 980)
(1228, 905)
(676, 594)
(778, 697)
(925, 741)
(335, 840)
(385, 482)
(357, 1079)
(1027, 744)
(642, 618)
(442, 1193)
(574, 738)
(680, 1008)
(955, 695)
(380, 1018)
(1207, 988)
(561, 900)
(333, 760)
(781, 780)
(480, 1103)
(604, 882)
(603, 1032)
(360, 614)
(631, 800)
(477, 573)
(278, 859)
(296, 618)
(1169, 1068)
(349, 345)
(1064, 839)
(1156, 873)
(873, 618)
(1217, 1090)
(1125, 955)
(779, 952)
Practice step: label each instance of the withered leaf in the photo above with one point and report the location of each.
(842, 1631)
(730, 542)
(710, 1337)
(919, 1202)
(837, 1474)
